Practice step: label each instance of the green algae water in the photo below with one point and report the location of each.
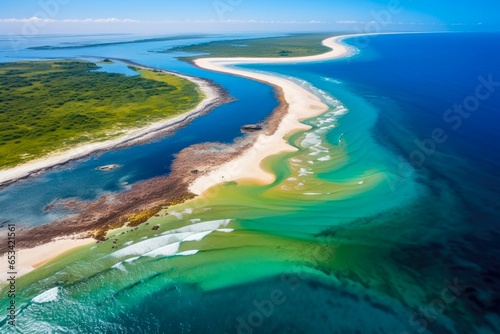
(350, 238)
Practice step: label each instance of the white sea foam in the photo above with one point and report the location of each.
(225, 230)
(341, 110)
(48, 296)
(197, 236)
(119, 266)
(188, 211)
(169, 241)
(132, 259)
(305, 172)
(167, 250)
(196, 220)
(292, 179)
(326, 120)
(205, 226)
(325, 158)
(317, 149)
(338, 82)
(188, 233)
(177, 215)
(150, 244)
(187, 253)
(312, 194)
(310, 139)
(128, 243)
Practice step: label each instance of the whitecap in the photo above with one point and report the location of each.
(132, 259)
(150, 244)
(167, 250)
(119, 266)
(205, 226)
(310, 139)
(48, 296)
(197, 236)
(305, 172)
(189, 252)
(160, 245)
(177, 215)
(225, 230)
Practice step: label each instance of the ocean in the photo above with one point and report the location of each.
(384, 221)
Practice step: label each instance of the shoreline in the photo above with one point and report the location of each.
(296, 104)
(302, 104)
(214, 96)
(29, 259)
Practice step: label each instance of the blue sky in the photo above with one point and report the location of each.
(175, 16)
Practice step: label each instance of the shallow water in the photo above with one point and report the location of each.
(355, 235)
(80, 179)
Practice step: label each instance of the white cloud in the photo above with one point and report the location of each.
(33, 19)
(394, 23)
(350, 22)
(38, 20)
(107, 20)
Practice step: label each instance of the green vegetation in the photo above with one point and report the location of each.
(148, 40)
(46, 106)
(289, 46)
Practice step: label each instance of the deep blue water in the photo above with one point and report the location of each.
(452, 230)
(415, 81)
(449, 233)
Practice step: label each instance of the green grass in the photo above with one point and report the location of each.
(289, 46)
(52, 105)
(138, 41)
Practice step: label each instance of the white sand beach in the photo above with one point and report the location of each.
(58, 158)
(29, 259)
(302, 105)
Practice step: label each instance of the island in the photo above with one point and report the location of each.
(52, 112)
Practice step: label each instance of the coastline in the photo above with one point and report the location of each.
(214, 96)
(302, 104)
(241, 162)
(29, 259)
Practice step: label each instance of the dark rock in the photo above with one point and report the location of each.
(251, 128)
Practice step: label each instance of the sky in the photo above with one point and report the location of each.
(26, 17)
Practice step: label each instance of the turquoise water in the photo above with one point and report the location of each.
(365, 230)
(253, 102)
